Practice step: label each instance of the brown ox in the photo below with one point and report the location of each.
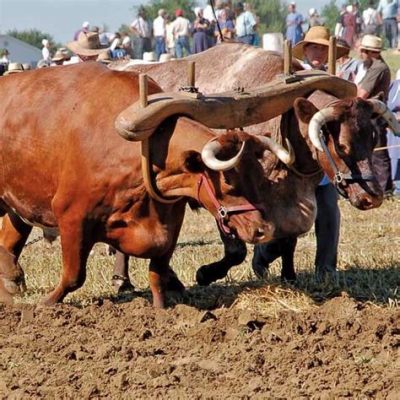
(64, 165)
(347, 127)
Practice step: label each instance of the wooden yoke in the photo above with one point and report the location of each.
(229, 110)
(145, 150)
(332, 56)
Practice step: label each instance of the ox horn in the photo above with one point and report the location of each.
(317, 121)
(211, 149)
(286, 156)
(380, 108)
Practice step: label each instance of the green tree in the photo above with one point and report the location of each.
(330, 13)
(32, 36)
(272, 14)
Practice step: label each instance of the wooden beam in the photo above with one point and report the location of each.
(143, 90)
(332, 56)
(287, 57)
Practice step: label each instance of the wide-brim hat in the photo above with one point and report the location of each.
(149, 56)
(371, 43)
(104, 57)
(317, 35)
(14, 68)
(88, 44)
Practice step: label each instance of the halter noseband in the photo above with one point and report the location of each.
(222, 212)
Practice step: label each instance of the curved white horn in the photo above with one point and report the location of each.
(381, 108)
(286, 156)
(211, 149)
(317, 121)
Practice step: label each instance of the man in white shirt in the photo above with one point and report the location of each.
(141, 27)
(181, 29)
(245, 25)
(159, 33)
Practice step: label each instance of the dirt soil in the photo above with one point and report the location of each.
(341, 349)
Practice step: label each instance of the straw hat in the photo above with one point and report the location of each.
(104, 57)
(371, 43)
(88, 44)
(58, 56)
(14, 68)
(165, 57)
(317, 35)
(149, 56)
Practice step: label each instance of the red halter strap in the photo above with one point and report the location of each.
(222, 211)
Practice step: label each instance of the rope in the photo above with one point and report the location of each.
(387, 147)
(34, 241)
(216, 20)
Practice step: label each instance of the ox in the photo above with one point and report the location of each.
(348, 132)
(64, 166)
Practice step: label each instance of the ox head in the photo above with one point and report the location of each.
(223, 174)
(342, 135)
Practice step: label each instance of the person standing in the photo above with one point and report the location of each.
(181, 29)
(46, 51)
(376, 81)
(347, 67)
(160, 33)
(200, 32)
(141, 27)
(314, 18)
(371, 19)
(313, 51)
(85, 29)
(245, 24)
(349, 26)
(294, 21)
(388, 11)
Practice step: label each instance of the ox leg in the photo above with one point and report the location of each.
(13, 236)
(235, 252)
(266, 253)
(120, 279)
(162, 278)
(288, 246)
(76, 246)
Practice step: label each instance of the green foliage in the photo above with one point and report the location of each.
(330, 13)
(170, 6)
(272, 14)
(32, 36)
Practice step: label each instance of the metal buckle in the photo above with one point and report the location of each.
(339, 177)
(222, 212)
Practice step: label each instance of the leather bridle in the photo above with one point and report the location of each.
(222, 212)
(341, 179)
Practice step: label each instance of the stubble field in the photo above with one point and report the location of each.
(241, 338)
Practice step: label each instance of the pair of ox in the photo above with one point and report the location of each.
(63, 166)
(340, 144)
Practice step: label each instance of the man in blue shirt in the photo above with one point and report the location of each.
(388, 10)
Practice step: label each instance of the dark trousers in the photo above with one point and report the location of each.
(327, 227)
(381, 161)
(141, 45)
(390, 29)
(247, 39)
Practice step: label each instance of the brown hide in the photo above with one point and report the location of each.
(232, 65)
(63, 165)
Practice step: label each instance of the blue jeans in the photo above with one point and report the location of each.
(390, 29)
(248, 39)
(160, 46)
(180, 44)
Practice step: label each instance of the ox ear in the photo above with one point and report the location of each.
(193, 162)
(304, 110)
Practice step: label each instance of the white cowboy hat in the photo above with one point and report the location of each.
(149, 56)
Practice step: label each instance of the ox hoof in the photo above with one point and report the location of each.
(5, 296)
(208, 274)
(13, 286)
(174, 284)
(122, 284)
